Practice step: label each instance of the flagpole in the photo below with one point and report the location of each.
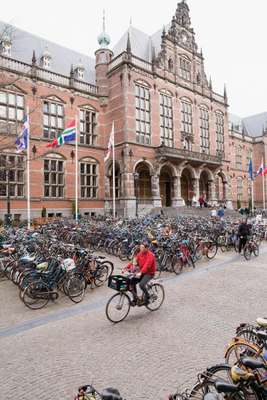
(28, 174)
(113, 173)
(76, 173)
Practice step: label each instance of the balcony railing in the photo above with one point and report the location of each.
(45, 75)
(182, 154)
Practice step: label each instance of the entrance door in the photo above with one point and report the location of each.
(165, 183)
(185, 189)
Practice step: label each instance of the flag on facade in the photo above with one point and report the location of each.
(68, 135)
(22, 140)
(261, 171)
(250, 169)
(110, 143)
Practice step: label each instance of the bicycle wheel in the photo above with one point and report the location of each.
(118, 307)
(212, 250)
(207, 379)
(177, 264)
(198, 253)
(36, 295)
(109, 265)
(256, 250)
(240, 349)
(190, 262)
(76, 288)
(156, 296)
(247, 252)
(101, 275)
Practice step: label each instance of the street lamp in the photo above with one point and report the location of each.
(136, 178)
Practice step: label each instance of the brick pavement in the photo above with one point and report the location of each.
(147, 355)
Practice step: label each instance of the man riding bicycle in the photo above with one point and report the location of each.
(146, 262)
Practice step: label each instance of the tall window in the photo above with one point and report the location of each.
(53, 119)
(87, 127)
(204, 130)
(185, 68)
(53, 178)
(142, 111)
(239, 188)
(11, 107)
(219, 132)
(11, 175)
(187, 126)
(89, 179)
(238, 157)
(166, 120)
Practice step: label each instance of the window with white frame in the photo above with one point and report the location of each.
(166, 120)
(204, 130)
(53, 119)
(11, 107)
(53, 177)
(88, 127)
(239, 188)
(186, 118)
(142, 112)
(12, 175)
(89, 178)
(185, 69)
(219, 120)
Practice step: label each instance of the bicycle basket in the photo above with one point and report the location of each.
(118, 282)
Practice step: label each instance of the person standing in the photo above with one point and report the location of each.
(243, 233)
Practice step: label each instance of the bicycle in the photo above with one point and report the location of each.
(121, 302)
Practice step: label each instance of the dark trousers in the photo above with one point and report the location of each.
(143, 282)
(242, 242)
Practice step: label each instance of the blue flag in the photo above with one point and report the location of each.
(250, 170)
(22, 140)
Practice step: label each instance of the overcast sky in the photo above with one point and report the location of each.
(232, 34)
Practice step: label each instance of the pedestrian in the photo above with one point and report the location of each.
(243, 233)
(220, 212)
(201, 201)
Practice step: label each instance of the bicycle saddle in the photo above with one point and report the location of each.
(252, 363)
(224, 387)
(262, 322)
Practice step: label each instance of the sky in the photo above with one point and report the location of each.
(232, 34)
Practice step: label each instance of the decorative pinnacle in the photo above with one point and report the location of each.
(33, 58)
(104, 21)
(128, 47)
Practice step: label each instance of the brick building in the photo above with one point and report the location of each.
(173, 135)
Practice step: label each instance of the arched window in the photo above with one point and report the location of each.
(170, 65)
(12, 175)
(238, 157)
(239, 188)
(142, 112)
(204, 130)
(185, 68)
(187, 144)
(219, 132)
(166, 120)
(186, 117)
(53, 118)
(54, 176)
(88, 126)
(89, 178)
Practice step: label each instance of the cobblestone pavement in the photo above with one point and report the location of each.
(47, 354)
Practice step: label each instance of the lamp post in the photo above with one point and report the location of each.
(136, 178)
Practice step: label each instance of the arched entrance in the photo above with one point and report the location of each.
(165, 184)
(221, 187)
(204, 185)
(187, 190)
(143, 189)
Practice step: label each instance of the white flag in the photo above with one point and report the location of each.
(110, 143)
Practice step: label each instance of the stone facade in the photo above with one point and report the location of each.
(153, 168)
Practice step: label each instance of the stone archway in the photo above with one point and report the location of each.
(143, 187)
(166, 186)
(221, 187)
(204, 185)
(187, 186)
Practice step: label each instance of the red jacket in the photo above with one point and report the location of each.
(147, 262)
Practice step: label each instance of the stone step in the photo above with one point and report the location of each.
(189, 211)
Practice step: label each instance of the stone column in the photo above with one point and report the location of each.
(212, 193)
(155, 191)
(228, 195)
(177, 200)
(128, 199)
(196, 187)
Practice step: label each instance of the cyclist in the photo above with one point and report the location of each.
(243, 233)
(147, 264)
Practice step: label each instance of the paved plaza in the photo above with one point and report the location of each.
(47, 354)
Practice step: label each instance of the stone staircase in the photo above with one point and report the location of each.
(172, 212)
